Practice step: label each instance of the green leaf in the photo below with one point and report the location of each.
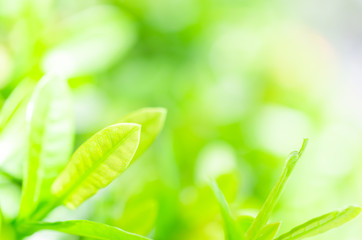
(14, 101)
(321, 224)
(85, 228)
(152, 121)
(244, 222)
(98, 32)
(50, 136)
(266, 210)
(97, 163)
(138, 216)
(230, 227)
(269, 231)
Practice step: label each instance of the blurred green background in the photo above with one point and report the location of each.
(243, 81)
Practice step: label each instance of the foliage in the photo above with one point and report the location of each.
(94, 165)
(242, 82)
(259, 229)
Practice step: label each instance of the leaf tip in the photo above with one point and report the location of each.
(354, 210)
(160, 112)
(304, 146)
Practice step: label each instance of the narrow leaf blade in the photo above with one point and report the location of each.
(321, 224)
(86, 228)
(267, 208)
(230, 228)
(152, 121)
(50, 137)
(97, 163)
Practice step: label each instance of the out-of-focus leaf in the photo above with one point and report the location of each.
(85, 228)
(138, 216)
(7, 231)
(13, 139)
(269, 231)
(265, 212)
(230, 227)
(98, 36)
(11, 178)
(321, 224)
(229, 185)
(96, 163)
(16, 98)
(152, 121)
(50, 135)
(244, 222)
(216, 159)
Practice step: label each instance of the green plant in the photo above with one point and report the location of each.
(249, 228)
(96, 163)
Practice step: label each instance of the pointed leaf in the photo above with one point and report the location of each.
(97, 163)
(98, 32)
(269, 231)
(230, 227)
(321, 224)
(266, 210)
(85, 228)
(50, 136)
(152, 121)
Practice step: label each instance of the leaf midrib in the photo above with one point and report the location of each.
(96, 165)
(291, 237)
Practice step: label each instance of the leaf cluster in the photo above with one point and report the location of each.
(53, 175)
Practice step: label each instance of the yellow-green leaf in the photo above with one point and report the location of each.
(269, 231)
(231, 230)
(97, 163)
(321, 224)
(99, 32)
(50, 138)
(243, 222)
(267, 208)
(14, 101)
(152, 121)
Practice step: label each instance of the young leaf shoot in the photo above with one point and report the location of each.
(266, 210)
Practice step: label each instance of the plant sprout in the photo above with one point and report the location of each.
(54, 175)
(248, 228)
